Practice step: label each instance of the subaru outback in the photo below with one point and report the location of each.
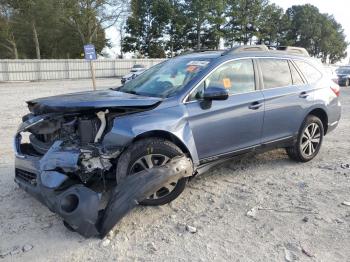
(208, 106)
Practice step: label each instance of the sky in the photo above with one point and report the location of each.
(340, 9)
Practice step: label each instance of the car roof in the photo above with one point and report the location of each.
(201, 54)
(252, 54)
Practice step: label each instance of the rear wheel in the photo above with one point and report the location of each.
(145, 154)
(309, 140)
(347, 82)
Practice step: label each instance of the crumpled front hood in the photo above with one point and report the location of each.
(84, 101)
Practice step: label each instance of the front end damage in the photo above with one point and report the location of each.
(64, 166)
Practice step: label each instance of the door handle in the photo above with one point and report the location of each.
(303, 95)
(255, 105)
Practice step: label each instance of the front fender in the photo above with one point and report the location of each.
(172, 120)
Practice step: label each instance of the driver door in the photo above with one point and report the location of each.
(233, 125)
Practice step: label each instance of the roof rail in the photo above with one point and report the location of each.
(264, 48)
(291, 49)
(246, 48)
(202, 50)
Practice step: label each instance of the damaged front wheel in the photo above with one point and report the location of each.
(145, 154)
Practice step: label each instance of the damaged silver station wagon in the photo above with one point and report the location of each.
(92, 156)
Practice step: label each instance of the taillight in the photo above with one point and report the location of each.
(336, 89)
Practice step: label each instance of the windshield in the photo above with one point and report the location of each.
(344, 70)
(165, 79)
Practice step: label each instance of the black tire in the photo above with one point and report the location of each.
(347, 82)
(145, 147)
(301, 153)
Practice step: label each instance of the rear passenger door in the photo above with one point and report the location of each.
(286, 98)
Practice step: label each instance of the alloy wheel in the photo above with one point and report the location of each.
(311, 139)
(150, 161)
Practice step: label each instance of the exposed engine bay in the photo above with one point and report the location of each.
(76, 133)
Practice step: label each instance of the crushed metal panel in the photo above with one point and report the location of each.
(67, 159)
(138, 187)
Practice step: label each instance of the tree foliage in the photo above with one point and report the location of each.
(201, 24)
(55, 28)
(160, 28)
(319, 33)
(146, 26)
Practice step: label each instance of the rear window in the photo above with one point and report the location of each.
(297, 79)
(310, 72)
(275, 72)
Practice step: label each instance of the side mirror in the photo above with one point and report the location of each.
(215, 93)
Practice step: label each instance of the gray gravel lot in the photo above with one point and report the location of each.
(261, 208)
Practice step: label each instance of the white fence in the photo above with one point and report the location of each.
(36, 70)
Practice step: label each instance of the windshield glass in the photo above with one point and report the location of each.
(165, 79)
(344, 70)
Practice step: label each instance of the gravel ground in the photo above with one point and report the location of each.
(261, 208)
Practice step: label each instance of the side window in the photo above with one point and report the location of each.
(310, 72)
(236, 76)
(297, 79)
(275, 72)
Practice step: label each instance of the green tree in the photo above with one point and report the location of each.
(146, 26)
(8, 45)
(216, 20)
(319, 33)
(243, 18)
(272, 25)
(177, 28)
(198, 12)
(29, 15)
(87, 17)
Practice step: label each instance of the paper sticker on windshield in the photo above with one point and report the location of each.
(227, 83)
(198, 63)
(191, 68)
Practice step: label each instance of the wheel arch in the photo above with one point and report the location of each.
(322, 115)
(168, 136)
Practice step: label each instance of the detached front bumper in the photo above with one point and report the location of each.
(75, 203)
(78, 205)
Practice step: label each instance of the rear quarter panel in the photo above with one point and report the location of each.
(325, 98)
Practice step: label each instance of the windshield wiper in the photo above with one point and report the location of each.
(131, 92)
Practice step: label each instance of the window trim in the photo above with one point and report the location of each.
(301, 72)
(256, 79)
(306, 82)
(259, 84)
(262, 77)
(291, 65)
